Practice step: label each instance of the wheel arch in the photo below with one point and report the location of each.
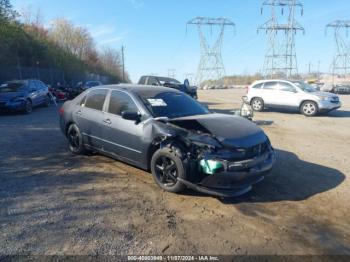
(254, 97)
(308, 100)
(161, 142)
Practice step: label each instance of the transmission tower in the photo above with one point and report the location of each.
(341, 61)
(280, 58)
(211, 65)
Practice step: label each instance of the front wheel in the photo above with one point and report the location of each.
(75, 140)
(28, 107)
(257, 104)
(309, 108)
(166, 167)
(47, 101)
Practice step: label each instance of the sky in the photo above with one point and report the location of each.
(156, 39)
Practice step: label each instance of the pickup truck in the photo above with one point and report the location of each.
(169, 82)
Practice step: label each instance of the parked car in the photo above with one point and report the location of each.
(23, 95)
(341, 89)
(166, 131)
(169, 82)
(90, 84)
(295, 95)
(59, 93)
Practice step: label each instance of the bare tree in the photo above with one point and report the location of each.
(74, 39)
(110, 61)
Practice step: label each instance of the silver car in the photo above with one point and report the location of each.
(296, 95)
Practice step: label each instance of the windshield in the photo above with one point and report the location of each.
(172, 105)
(164, 80)
(305, 87)
(11, 87)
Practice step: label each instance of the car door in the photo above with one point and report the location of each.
(287, 95)
(269, 93)
(122, 137)
(89, 117)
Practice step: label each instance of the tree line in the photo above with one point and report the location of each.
(25, 41)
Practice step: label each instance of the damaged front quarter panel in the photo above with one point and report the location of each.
(208, 160)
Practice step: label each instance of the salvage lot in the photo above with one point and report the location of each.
(54, 203)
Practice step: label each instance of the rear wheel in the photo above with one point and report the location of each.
(75, 140)
(309, 108)
(257, 104)
(166, 167)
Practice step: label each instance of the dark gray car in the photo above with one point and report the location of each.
(166, 131)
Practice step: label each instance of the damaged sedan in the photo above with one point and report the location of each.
(165, 131)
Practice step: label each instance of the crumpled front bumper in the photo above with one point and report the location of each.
(236, 183)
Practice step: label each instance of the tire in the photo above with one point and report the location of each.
(309, 108)
(166, 166)
(257, 104)
(28, 107)
(75, 140)
(47, 101)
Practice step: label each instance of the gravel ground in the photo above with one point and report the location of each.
(52, 202)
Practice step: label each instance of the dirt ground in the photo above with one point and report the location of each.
(52, 202)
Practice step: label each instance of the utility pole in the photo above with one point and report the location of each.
(280, 58)
(309, 69)
(341, 60)
(123, 61)
(211, 65)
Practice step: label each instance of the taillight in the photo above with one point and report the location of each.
(61, 111)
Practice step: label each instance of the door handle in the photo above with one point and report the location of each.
(107, 121)
(78, 112)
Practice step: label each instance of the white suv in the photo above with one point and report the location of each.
(291, 94)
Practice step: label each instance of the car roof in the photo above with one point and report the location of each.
(276, 80)
(142, 90)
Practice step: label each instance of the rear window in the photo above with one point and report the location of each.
(11, 87)
(96, 98)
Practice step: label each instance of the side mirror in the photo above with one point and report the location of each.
(131, 115)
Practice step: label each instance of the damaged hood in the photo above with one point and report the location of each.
(230, 131)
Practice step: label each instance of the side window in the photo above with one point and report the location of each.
(283, 86)
(270, 85)
(142, 80)
(81, 102)
(258, 86)
(120, 102)
(152, 81)
(96, 98)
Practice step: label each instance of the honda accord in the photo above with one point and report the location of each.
(172, 135)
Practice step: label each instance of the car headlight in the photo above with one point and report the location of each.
(326, 98)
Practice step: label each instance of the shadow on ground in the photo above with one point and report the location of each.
(292, 179)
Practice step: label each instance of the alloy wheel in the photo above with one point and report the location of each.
(257, 105)
(73, 138)
(309, 108)
(166, 171)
